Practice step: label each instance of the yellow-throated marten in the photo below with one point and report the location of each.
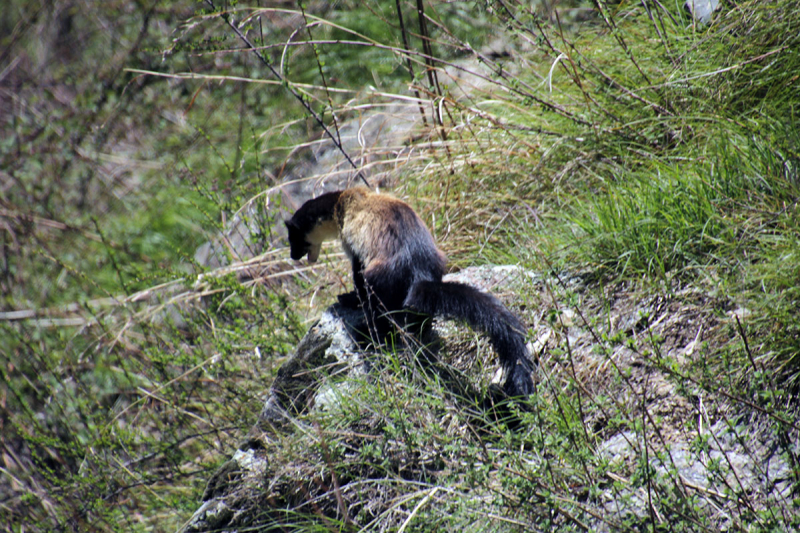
(397, 267)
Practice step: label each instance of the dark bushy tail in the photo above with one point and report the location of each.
(485, 313)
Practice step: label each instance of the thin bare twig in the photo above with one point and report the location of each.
(409, 63)
(230, 21)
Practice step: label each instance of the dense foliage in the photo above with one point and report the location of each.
(622, 139)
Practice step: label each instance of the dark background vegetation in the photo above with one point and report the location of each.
(617, 138)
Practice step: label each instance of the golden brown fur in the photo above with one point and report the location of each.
(397, 272)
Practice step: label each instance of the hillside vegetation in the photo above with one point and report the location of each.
(622, 144)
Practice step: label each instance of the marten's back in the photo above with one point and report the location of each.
(384, 233)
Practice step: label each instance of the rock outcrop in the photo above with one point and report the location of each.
(581, 331)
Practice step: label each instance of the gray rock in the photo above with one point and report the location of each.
(234, 494)
(725, 462)
(740, 467)
(701, 10)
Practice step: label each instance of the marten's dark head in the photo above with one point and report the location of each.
(311, 225)
(297, 240)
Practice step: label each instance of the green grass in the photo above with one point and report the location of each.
(715, 211)
(637, 146)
